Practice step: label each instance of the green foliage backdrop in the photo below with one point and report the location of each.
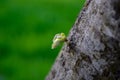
(26, 31)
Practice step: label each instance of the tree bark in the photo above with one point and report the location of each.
(93, 52)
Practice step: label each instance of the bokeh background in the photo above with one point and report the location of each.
(27, 28)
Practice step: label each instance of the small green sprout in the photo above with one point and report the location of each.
(58, 39)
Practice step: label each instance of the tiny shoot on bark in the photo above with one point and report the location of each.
(58, 39)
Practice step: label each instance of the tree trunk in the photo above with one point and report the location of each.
(93, 52)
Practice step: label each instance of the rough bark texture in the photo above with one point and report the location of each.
(93, 52)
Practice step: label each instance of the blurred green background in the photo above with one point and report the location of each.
(26, 31)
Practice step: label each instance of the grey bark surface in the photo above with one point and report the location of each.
(93, 52)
